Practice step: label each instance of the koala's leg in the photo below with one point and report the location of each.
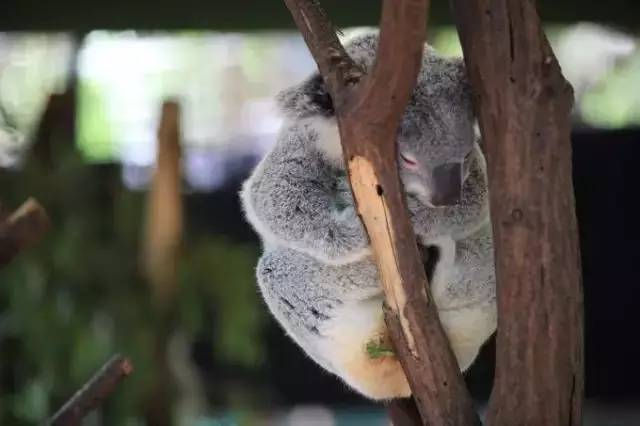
(334, 313)
(468, 329)
(463, 288)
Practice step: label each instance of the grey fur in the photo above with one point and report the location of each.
(317, 276)
(306, 296)
(291, 200)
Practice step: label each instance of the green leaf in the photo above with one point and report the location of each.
(378, 349)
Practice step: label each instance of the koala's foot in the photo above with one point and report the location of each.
(379, 378)
(360, 355)
(359, 352)
(468, 329)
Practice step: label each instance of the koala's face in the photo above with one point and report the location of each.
(435, 145)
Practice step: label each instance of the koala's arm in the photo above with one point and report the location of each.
(291, 200)
(457, 221)
(464, 289)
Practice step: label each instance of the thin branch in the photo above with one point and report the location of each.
(523, 104)
(93, 393)
(335, 65)
(22, 229)
(368, 114)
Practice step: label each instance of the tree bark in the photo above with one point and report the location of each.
(22, 229)
(93, 393)
(523, 103)
(368, 110)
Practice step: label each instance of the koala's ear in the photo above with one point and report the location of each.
(460, 67)
(461, 76)
(461, 88)
(307, 99)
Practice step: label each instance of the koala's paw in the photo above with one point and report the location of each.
(468, 329)
(417, 214)
(379, 378)
(347, 241)
(361, 352)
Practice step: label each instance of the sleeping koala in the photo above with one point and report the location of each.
(317, 275)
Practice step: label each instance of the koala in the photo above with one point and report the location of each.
(317, 275)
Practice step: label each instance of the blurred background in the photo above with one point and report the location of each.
(149, 255)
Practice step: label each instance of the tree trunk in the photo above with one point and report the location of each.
(523, 104)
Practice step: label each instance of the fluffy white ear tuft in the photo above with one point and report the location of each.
(328, 142)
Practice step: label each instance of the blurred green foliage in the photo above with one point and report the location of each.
(78, 297)
(615, 103)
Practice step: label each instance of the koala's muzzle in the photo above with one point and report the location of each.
(447, 182)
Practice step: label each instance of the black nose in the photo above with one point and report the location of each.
(447, 183)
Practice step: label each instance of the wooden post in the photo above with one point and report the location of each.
(161, 244)
(163, 225)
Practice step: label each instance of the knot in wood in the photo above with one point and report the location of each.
(516, 215)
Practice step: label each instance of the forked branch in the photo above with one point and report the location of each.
(336, 67)
(368, 111)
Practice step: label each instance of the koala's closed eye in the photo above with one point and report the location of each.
(409, 161)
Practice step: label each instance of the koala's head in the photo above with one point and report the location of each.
(436, 136)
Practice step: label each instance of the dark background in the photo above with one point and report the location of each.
(259, 14)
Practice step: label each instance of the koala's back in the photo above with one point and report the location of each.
(276, 182)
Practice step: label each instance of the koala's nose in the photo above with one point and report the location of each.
(447, 184)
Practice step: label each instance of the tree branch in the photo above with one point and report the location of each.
(22, 229)
(402, 37)
(93, 393)
(404, 412)
(368, 114)
(335, 65)
(523, 103)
